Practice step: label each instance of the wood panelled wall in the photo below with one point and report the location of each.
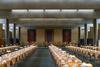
(49, 35)
(40, 35)
(24, 33)
(31, 35)
(58, 37)
(75, 34)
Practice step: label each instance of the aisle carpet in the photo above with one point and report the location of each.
(40, 58)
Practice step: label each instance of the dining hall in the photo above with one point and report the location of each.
(49, 33)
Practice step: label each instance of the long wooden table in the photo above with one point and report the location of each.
(85, 51)
(63, 59)
(13, 57)
(7, 48)
(91, 47)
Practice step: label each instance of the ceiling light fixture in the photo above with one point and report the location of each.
(69, 10)
(36, 10)
(32, 19)
(52, 10)
(19, 10)
(86, 10)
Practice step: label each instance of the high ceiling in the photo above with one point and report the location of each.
(45, 4)
(54, 19)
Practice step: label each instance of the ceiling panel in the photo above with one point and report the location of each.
(10, 4)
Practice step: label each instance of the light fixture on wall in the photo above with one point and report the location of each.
(98, 20)
(2, 21)
(11, 27)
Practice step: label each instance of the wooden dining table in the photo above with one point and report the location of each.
(85, 51)
(64, 59)
(14, 57)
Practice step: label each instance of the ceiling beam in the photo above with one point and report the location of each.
(49, 4)
(5, 13)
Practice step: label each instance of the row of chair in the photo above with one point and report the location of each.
(64, 59)
(84, 51)
(8, 48)
(91, 47)
(4, 50)
(12, 58)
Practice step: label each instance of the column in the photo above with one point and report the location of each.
(79, 36)
(7, 33)
(85, 34)
(19, 34)
(14, 33)
(79, 33)
(1, 36)
(95, 38)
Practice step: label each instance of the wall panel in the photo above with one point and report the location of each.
(40, 35)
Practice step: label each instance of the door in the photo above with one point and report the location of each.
(67, 35)
(49, 35)
(31, 35)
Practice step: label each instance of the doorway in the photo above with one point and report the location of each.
(49, 35)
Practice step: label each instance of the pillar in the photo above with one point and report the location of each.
(79, 34)
(95, 37)
(14, 33)
(85, 34)
(19, 34)
(1, 36)
(7, 33)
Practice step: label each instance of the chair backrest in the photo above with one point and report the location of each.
(66, 65)
(74, 65)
